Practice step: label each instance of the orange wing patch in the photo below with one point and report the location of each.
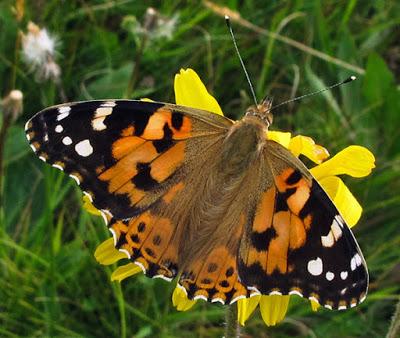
(180, 126)
(214, 279)
(126, 145)
(276, 227)
(147, 241)
(166, 164)
(126, 168)
(278, 246)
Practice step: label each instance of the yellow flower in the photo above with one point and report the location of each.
(355, 161)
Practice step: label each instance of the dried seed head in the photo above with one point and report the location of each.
(154, 27)
(38, 48)
(12, 104)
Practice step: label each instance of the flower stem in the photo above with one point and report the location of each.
(121, 306)
(394, 329)
(232, 328)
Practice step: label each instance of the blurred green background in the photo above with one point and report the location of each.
(50, 283)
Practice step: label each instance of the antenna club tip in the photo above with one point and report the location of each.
(228, 21)
(349, 79)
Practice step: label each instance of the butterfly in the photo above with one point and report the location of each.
(193, 195)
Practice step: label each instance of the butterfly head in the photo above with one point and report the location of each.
(262, 111)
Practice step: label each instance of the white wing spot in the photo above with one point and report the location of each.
(168, 279)
(313, 299)
(109, 104)
(353, 264)
(277, 293)
(140, 265)
(344, 274)
(58, 167)
(255, 293)
(33, 148)
(315, 267)
(220, 300)
(355, 261)
(336, 230)
(75, 178)
(343, 291)
(200, 297)
(84, 148)
(330, 275)
(353, 304)
(27, 125)
(328, 240)
(59, 128)
(358, 259)
(182, 288)
(253, 288)
(114, 235)
(328, 306)
(234, 300)
(342, 307)
(63, 112)
(67, 140)
(104, 217)
(107, 212)
(295, 292)
(42, 158)
(88, 196)
(126, 252)
(99, 117)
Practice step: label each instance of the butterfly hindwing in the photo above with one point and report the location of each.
(296, 241)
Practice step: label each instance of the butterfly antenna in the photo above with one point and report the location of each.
(228, 23)
(349, 79)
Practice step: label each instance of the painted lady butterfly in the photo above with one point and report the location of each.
(191, 194)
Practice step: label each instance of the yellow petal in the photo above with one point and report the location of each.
(344, 200)
(314, 305)
(180, 300)
(191, 92)
(283, 138)
(246, 307)
(273, 308)
(355, 161)
(89, 207)
(306, 146)
(106, 253)
(125, 271)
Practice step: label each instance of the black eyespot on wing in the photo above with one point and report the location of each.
(177, 120)
(294, 177)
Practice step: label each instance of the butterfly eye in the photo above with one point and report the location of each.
(269, 117)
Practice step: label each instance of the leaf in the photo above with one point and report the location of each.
(112, 84)
(378, 79)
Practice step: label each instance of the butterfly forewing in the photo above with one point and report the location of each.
(122, 153)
